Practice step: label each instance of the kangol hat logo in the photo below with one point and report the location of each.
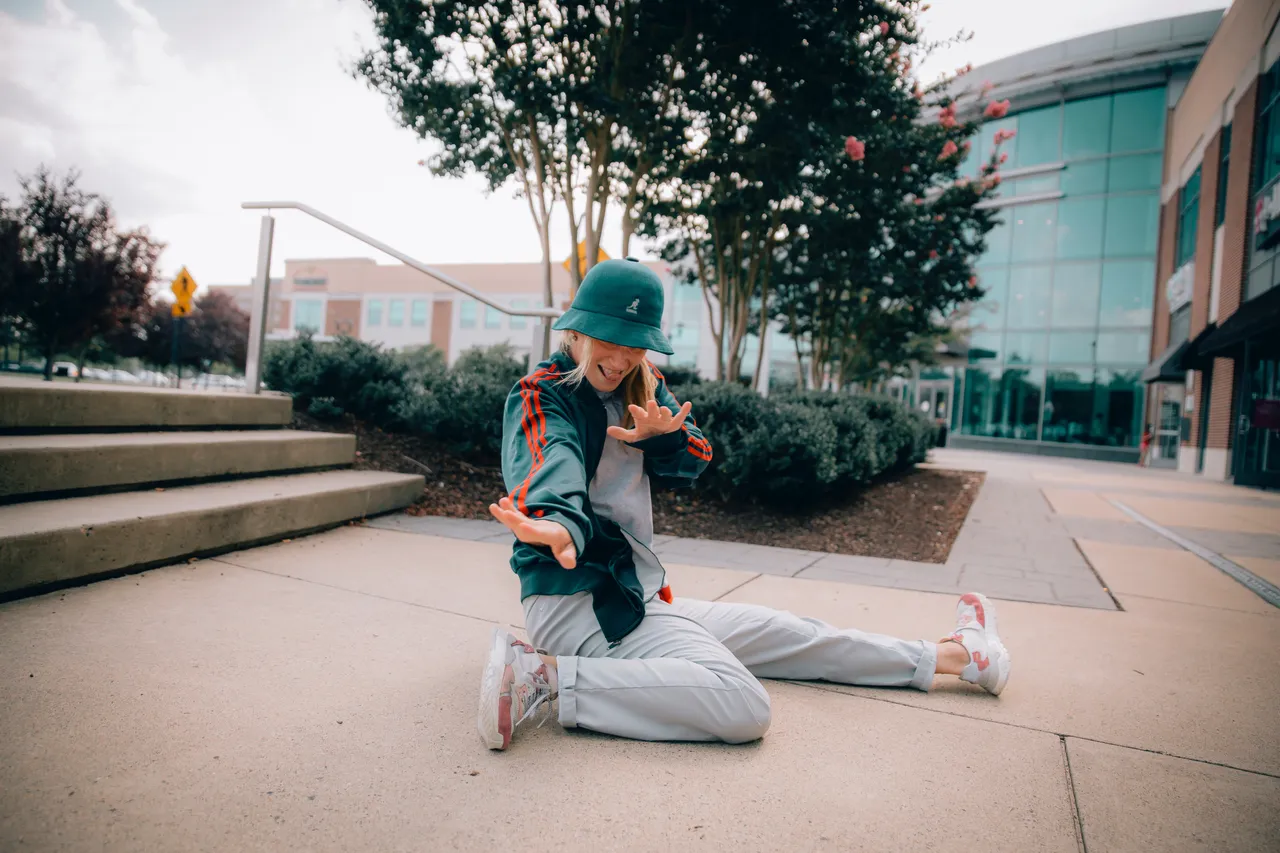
(634, 307)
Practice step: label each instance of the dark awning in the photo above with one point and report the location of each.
(1167, 366)
(1194, 357)
(1255, 317)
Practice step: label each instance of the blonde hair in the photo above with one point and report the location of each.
(638, 387)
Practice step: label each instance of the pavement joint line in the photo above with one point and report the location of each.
(353, 591)
(1077, 819)
(831, 688)
(756, 576)
(1194, 604)
(1261, 587)
(808, 565)
(1102, 583)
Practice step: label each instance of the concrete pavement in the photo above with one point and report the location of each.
(320, 694)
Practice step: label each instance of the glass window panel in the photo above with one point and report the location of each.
(1035, 184)
(999, 239)
(988, 312)
(1117, 406)
(1080, 223)
(1022, 390)
(519, 322)
(1138, 121)
(395, 312)
(1026, 347)
(492, 318)
(1038, 137)
(1259, 280)
(1131, 347)
(1071, 348)
(984, 346)
(1131, 225)
(1075, 294)
(1134, 172)
(467, 314)
(1086, 128)
(308, 315)
(969, 165)
(1224, 163)
(1068, 408)
(418, 312)
(1128, 288)
(981, 413)
(375, 312)
(1033, 231)
(1085, 178)
(1029, 289)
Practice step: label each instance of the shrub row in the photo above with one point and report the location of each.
(792, 450)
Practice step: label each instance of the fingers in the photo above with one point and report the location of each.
(622, 434)
(567, 556)
(638, 413)
(653, 408)
(681, 415)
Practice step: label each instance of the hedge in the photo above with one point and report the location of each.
(793, 450)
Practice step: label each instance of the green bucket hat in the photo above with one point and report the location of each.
(620, 302)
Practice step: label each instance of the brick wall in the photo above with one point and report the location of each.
(1164, 269)
(342, 317)
(1235, 242)
(1205, 229)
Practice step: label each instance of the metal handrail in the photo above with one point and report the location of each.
(443, 278)
(261, 289)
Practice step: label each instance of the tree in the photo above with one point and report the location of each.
(216, 332)
(885, 242)
(72, 276)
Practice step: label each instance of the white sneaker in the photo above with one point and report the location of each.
(515, 683)
(989, 663)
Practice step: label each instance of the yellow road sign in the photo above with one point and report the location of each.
(183, 287)
(582, 258)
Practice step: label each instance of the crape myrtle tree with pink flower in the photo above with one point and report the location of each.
(884, 243)
(777, 154)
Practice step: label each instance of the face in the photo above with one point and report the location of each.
(608, 364)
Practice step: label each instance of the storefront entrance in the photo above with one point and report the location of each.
(1257, 456)
(1168, 425)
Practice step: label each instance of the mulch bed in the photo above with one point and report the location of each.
(911, 516)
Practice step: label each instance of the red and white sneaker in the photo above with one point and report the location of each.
(515, 683)
(976, 630)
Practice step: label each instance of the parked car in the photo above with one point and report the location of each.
(96, 373)
(118, 375)
(65, 368)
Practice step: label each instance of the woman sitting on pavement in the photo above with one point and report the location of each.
(584, 435)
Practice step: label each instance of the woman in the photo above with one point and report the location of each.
(585, 434)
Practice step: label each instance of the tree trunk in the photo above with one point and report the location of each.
(84, 354)
(544, 229)
(50, 353)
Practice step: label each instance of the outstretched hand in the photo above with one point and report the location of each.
(650, 421)
(536, 531)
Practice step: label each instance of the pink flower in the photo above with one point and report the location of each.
(884, 28)
(1004, 136)
(973, 282)
(964, 69)
(987, 86)
(948, 150)
(993, 181)
(965, 146)
(933, 254)
(947, 117)
(997, 109)
(855, 148)
(919, 202)
(906, 169)
(1004, 158)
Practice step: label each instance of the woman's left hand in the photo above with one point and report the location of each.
(650, 421)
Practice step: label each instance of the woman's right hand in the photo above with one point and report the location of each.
(536, 531)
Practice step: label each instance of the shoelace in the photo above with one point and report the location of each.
(542, 689)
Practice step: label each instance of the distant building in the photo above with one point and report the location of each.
(1057, 346)
(1215, 371)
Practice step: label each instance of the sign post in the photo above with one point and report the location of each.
(183, 287)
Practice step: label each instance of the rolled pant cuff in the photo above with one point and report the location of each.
(926, 669)
(567, 674)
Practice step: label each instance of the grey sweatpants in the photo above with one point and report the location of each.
(689, 671)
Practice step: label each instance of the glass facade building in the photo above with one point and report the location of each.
(1056, 347)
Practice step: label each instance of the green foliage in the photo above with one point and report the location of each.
(425, 366)
(680, 377)
(346, 376)
(464, 407)
(797, 450)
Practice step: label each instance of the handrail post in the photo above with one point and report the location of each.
(261, 307)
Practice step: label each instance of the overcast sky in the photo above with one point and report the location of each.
(177, 111)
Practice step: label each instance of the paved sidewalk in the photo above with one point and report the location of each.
(319, 694)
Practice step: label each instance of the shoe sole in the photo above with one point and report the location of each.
(999, 652)
(493, 717)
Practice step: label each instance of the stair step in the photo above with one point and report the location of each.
(31, 406)
(44, 544)
(34, 464)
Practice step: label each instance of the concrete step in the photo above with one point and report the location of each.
(33, 406)
(35, 464)
(44, 544)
